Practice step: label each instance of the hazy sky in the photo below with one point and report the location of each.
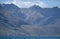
(28, 3)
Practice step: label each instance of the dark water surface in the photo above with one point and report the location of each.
(29, 37)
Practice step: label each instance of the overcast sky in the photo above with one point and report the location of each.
(28, 3)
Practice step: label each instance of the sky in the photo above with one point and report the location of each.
(29, 3)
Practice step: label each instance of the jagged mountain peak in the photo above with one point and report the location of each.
(9, 5)
(56, 7)
(35, 6)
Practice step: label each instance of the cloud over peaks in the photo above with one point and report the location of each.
(27, 4)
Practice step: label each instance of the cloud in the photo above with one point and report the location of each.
(22, 4)
(27, 4)
(6, 1)
(41, 4)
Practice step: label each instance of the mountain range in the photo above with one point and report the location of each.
(29, 20)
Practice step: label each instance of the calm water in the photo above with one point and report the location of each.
(29, 37)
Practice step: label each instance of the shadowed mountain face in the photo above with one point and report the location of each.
(12, 15)
(29, 21)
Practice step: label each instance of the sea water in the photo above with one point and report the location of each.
(29, 37)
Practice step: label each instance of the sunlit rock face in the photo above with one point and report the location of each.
(33, 21)
(41, 16)
(33, 14)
